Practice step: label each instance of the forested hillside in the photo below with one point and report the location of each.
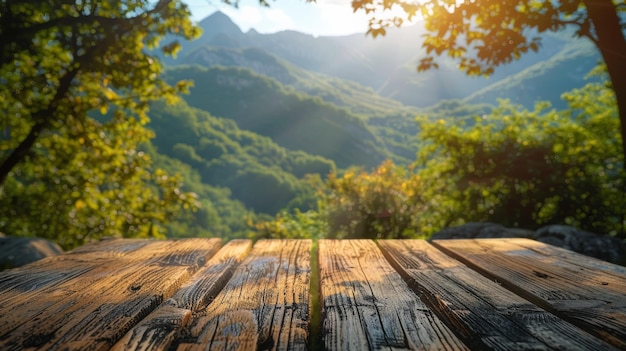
(260, 116)
(359, 99)
(545, 80)
(260, 174)
(293, 120)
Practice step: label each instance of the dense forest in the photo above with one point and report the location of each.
(289, 135)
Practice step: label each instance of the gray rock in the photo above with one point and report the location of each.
(604, 247)
(481, 230)
(16, 251)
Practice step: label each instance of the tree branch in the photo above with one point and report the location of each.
(41, 123)
(21, 35)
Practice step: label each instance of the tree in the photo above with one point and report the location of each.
(76, 81)
(61, 60)
(515, 167)
(530, 168)
(383, 204)
(482, 35)
(75, 190)
(288, 225)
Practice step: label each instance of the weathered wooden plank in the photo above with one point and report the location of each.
(15, 283)
(559, 255)
(264, 305)
(593, 300)
(367, 305)
(158, 330)
(486, 315)
(58, 276)
(108, 247)
(93, 310)
(155, 332)
(208, 281)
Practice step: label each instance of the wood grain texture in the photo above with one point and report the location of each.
(160, 328)
(108, 290)
(594, 300)
(163, 295)
(486, 315)
(367, 305)
(560, 255)
(265, 305)
(209, 280)
(155, 332)
(57, 277)
(21, 284)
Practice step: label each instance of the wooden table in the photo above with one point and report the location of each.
(295, 294)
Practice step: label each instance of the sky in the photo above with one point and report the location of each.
(323, 18)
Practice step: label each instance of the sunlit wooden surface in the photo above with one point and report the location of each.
(199, 294)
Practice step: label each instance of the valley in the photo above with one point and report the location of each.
(267, 111)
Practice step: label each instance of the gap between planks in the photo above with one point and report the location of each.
(367, 305)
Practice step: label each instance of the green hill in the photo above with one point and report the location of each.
(290, 104)
(545, 80)
(291, 119)
(260, 174)
(358, 99)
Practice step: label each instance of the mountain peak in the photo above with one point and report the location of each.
(219, 22)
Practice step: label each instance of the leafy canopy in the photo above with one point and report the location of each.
(76, 81)
(515, 167)
(482, 35)
(530, 168)
(74, 190)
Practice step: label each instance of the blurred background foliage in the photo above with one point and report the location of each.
(513, 166)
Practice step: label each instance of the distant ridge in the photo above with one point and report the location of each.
(219, 22)
(388, 65)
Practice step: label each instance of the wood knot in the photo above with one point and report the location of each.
(540, 275)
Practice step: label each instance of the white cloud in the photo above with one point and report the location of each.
(342, 3)
(245, 16)
(248, 14)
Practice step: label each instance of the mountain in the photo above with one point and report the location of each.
(219, 23)
(260, 174)
(359, 99)
(294, 121)
(355, 57)
(545, 80)
(387, 65)
(267, 110)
